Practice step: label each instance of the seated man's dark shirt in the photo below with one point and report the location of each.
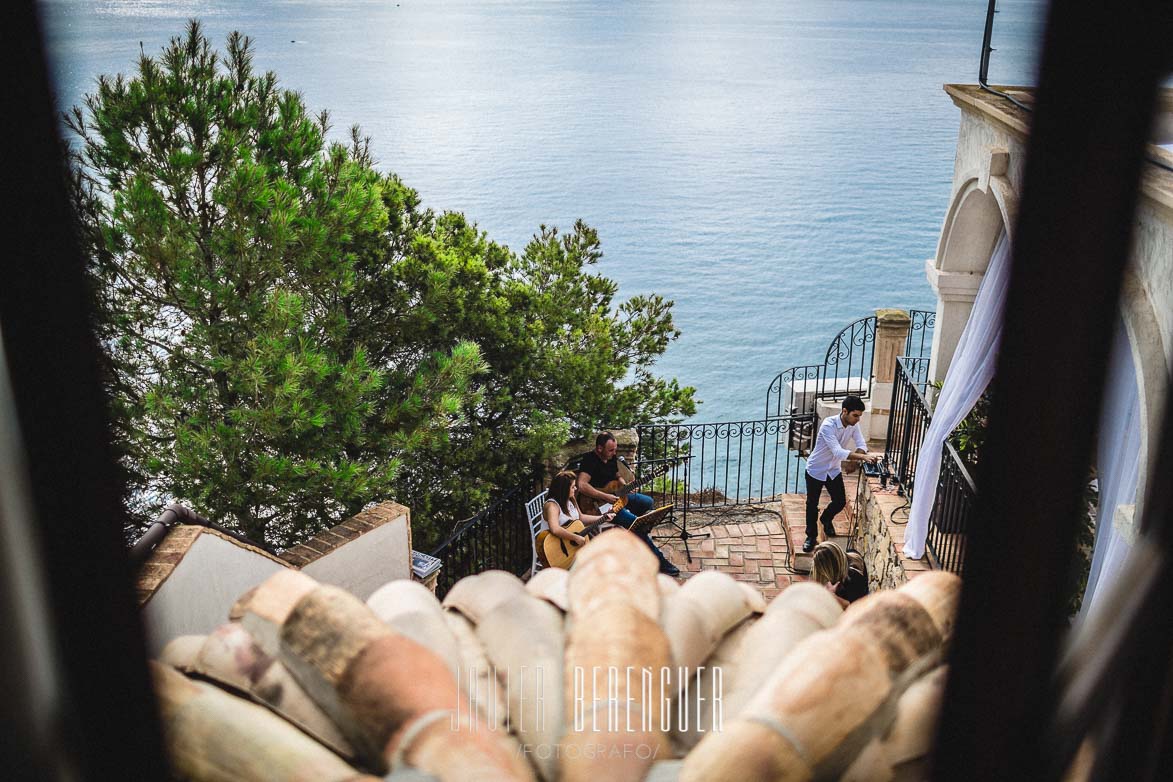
(601, 472)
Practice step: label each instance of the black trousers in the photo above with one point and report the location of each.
(620, 521)
(814, 489)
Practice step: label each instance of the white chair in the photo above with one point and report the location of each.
(537, 523)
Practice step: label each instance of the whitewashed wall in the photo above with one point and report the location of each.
(366, 563)
(196, 597)
(1147, 302)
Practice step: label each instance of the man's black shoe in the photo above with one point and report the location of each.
(830, 532)
(668, 569)
(808, 545)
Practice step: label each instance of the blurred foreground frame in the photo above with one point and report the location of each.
(1009, 712)
(73, 662)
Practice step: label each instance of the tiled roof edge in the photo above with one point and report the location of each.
(163, 560)
(338, 536)
(170, 551)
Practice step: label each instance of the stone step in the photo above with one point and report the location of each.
(801, 562)
(794, 511)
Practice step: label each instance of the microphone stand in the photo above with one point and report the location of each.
(682, 532)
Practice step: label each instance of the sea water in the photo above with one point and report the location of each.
(778, 169)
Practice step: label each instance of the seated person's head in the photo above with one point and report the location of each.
(605, 446)
(828, 563)
(562, 489)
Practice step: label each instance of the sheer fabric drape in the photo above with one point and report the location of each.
(969, 374)
(1117, 470)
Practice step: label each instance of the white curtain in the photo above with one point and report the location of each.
(969, 374)
(1117, 468)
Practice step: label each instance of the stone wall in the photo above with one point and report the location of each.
(873, 538)
(626, 442)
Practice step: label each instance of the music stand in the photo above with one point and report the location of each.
(682, 532)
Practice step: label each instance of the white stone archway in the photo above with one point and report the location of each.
(1123, 481)
(984, 203)
(1149, 356)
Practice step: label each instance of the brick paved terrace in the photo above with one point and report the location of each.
(762, 544)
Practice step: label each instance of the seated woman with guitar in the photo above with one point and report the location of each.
(601, 487)
(565, 521)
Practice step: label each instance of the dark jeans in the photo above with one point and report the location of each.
(637, 505)
(814, 489)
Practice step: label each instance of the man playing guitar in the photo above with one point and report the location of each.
(598, 473)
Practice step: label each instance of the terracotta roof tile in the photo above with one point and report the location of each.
(373, 668)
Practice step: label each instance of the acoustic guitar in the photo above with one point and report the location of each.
(589, 505)
(561, 553)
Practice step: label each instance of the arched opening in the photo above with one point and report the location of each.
(1133, 396)
(974, 222)
(1151, 366)
(982, 208)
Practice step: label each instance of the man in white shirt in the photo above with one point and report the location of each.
(836, 434)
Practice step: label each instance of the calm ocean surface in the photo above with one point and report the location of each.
(778, 169)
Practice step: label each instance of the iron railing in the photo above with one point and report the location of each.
(920, 333)
(794, 391)
(953, 504)
(908, 421)
(952, 510)
(497, 538)
(846, 367)
(722, 464)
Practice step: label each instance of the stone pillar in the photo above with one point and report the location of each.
(955, 294)
(891, 336)
(626, 442)
(430, 581)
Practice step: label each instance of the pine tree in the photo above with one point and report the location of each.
(291, 335)
(224, 236)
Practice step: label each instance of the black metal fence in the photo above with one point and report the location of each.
(920, 333)
(497, 538)
(794, 391)
(953, 504)
(953, 507)
(846, 369)
(908, 421)
(714, 465)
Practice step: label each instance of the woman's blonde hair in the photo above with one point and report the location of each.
(828, 563)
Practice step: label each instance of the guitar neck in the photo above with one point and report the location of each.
(630, 487)
(587, 528)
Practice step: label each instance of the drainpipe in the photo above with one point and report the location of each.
(179, 514)
(173, 514)
(984, 65)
